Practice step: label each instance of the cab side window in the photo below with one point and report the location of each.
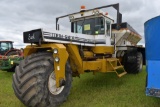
(108, 28)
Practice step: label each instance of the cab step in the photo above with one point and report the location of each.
(115, 60)
(112, 59)
(118, 67)
(123, 73)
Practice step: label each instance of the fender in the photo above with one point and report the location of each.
(62, 55)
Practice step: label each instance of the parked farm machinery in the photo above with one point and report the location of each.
(152, 35)
(9, 57)
(95, 44)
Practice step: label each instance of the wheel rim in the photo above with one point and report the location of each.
(52, 85)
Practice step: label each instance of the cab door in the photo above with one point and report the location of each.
(108, 31)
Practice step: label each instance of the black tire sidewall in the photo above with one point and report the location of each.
(133, 66)
(41, 95)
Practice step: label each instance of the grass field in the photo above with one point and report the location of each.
(100, 90)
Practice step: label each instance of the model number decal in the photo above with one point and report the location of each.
(66, 37)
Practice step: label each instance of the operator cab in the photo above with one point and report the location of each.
(5, 46)
(94, 22)
(91, 27)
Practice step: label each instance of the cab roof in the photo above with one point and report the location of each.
(6, 41)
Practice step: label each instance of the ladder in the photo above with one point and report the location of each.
(115, 68)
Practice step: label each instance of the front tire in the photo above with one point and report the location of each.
(31, 81)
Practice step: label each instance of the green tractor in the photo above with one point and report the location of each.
(9, 56)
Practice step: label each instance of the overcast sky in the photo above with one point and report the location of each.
(17, 16)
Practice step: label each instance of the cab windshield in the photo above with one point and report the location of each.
(5, 46)
(93, 26)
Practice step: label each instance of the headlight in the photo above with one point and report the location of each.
(56, 59)
(55, 51)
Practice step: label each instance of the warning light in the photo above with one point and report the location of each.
(83, 8)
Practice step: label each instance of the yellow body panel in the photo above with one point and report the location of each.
(103, 49)
(88, 54)
(59, 67)
(106, 67)
(29, 50)
(75, 58)
(92, 65)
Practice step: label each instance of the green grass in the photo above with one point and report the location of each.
(7, 97)
(100, 90)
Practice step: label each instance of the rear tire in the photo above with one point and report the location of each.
(30, 81)
(133, 62)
